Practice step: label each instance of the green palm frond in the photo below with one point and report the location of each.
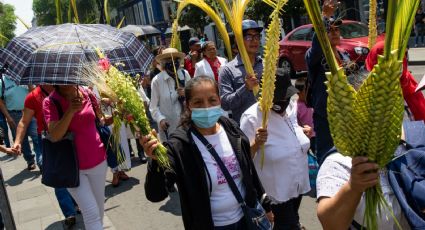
(368, 122)
(106, 9)
(271, 57)
(211, 12)
(58, 12)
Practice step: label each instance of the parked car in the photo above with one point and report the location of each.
(354, 39)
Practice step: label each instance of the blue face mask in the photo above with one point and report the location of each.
(206, 117)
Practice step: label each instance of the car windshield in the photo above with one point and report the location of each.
(353, 30)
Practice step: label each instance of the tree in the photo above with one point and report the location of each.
(260, 11)
(7, 23)
(45, 11)
(194, 18)
(257, 10)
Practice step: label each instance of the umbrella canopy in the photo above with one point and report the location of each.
(56, 54)
(141, 30)
(170, 31)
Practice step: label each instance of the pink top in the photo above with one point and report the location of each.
(89, 147)
(305, 115)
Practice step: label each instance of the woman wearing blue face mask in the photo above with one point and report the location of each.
(207, 201)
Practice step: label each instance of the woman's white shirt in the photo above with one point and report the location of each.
(225, 208)
(335, 172)
(203, 68)
(285, 172)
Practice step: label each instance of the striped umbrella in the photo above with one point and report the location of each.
(56, 54)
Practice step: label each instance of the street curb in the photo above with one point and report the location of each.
(419, 62)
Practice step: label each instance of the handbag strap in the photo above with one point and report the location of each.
(90, 95)
(58, 108)
(223, 168)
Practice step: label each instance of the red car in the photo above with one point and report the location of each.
(354, 37)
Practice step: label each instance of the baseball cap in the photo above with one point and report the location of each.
(332, 22)
(283, 87)
(194, 41)
(249, 24)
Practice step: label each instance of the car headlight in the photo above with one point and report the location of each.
(361, 50)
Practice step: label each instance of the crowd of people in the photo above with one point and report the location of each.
(206, 114)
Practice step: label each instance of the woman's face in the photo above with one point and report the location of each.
(204, 95)
(210, 51)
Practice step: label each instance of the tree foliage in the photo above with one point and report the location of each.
(195, 17)
(45, 11)
(7, 23)
(257, 10)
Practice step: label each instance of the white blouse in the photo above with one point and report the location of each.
(285, 172)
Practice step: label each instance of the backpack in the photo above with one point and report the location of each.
(406, 175)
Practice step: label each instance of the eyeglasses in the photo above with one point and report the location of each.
(251, 37)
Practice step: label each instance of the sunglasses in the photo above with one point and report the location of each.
(252, 37)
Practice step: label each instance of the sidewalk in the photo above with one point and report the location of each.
(34, 205)
(416, 55)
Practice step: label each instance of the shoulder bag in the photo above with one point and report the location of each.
(255, 217)
(60, 161)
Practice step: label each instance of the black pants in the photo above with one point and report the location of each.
(324, 141)
(1, 222)
(286, 214)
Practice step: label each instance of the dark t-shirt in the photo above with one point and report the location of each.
(152, 75)
(419, 19)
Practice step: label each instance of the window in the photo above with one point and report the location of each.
(353, 30)
(142, 13)
(136, 14)
(150, 11)
(129, 16)
(304, 34)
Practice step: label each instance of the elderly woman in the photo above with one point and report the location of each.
(167, 88)
(211, 63)
(207, 199)
(285, 170)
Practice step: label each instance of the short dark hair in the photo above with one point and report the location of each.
(300, 83)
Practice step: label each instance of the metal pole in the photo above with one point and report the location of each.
(6, 211)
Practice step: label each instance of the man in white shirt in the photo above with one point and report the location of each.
(168, 92)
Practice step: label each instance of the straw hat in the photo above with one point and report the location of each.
(167, 53)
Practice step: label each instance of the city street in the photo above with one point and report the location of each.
(35, 207)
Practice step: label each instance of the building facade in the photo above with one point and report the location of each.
(147, 12)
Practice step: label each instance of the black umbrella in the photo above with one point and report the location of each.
(56, 54)
(142, 30)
